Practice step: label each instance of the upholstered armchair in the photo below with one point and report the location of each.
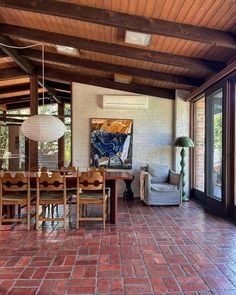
(160, 186)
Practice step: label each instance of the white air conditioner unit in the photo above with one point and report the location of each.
(125, 102)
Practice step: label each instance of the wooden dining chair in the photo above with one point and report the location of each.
(69, 168)
(51, 190)
(92, 184)
(44, 169)
(15, 190)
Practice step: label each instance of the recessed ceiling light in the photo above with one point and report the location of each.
(137, 38)
(66, 49)
(122, 78)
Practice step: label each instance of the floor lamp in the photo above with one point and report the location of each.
(184, 142)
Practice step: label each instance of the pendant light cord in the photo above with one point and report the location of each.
(43, 59)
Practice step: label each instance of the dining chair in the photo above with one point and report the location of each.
(15, 190)
(51, 190)
(69, 168)
(91, 190)
(44, 169)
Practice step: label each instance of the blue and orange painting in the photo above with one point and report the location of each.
(111, 143)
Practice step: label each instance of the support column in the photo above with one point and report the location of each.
(33, 145)
(61, 141)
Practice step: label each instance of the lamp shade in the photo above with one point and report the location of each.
(183, 141)
(43, 128)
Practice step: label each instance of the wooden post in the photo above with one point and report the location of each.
(61, 141)
(33, 145)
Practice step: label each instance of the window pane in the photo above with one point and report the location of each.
(214, 144)
(199, 141)
(4, 154)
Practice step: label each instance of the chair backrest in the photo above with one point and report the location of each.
(92, 180)
(69, 168)
(54, 182)
(101, 169)
(17, 182)
(44, 169)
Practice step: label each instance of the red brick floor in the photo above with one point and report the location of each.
(152, 250)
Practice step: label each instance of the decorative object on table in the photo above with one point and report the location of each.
(111, 143)
(41, 127)
(160, 186)
(183, 141)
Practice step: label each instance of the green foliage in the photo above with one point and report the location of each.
(3, 146)
(218, 131)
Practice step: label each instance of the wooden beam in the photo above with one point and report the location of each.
(63, 75)
(21, 61)
(19, 98)
(203, 65)
(33, 145)
(12, 73)
(113, 68)
(26, 104)
(14, 88)
(59, 86)
(126, 21)
(222, 74)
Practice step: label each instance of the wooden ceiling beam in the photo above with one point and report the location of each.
(206, 66)
(113, 68)
(59, 86)
(12, 73)
(21, 61)
(26, 104)
(14, 88)
(126, 21)
(62, 75)
(19, 98)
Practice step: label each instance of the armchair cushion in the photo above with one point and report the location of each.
(159, 174)
(175, 178)
(164, 187)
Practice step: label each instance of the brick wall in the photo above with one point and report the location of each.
(152, 132)
(199, 139)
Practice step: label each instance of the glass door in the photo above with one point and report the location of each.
(214, 149)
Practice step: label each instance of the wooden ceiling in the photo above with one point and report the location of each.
(191, 41)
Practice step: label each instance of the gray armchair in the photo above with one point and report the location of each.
(160, 186)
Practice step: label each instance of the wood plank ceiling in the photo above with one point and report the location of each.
(179, 56)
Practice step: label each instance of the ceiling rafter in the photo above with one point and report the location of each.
(113, 68)
(24, 63)
(75, 76)
(126, 21)
(206, 66)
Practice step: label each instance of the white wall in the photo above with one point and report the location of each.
(152, 132)
(182, 128)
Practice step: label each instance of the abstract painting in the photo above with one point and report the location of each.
(111, 143)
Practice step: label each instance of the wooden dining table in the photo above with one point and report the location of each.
(111, 179)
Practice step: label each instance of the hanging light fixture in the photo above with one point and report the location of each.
(41, 127)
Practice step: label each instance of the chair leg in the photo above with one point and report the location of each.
(77, 214)
(104, 214)
(52, 211)
(70, 212)
(19, 211)
(28, 215)
(43, 211)
(64, 210)
(37, 216)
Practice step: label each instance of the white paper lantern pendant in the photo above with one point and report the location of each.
(43, 128)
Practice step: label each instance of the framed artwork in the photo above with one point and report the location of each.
(111, 143)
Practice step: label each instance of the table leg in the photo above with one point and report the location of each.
(128, 194)
(112, 184)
